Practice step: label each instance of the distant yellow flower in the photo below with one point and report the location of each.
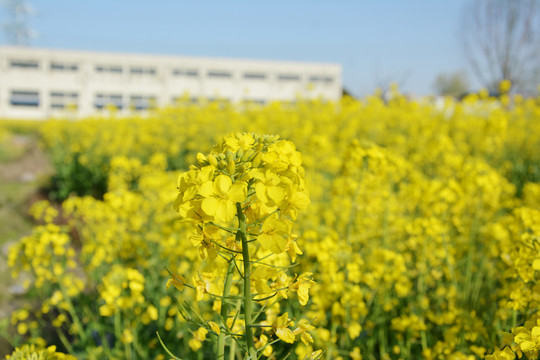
(281, 327)
(263, 342)
(214, 327)
(302, 285)
(207, 282)
(505, 86)
(315, 355)
(505, 354)
(127, 336)
(303, 327)
(177, 281)
(292, 248)
(528, 340)
(195, 343)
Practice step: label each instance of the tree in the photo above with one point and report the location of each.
(16, 29)
(502, 42)
(455, 84)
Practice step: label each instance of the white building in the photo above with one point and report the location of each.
(39, 83)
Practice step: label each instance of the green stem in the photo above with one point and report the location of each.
(220, 353)
(64, 341)
(224, 228)
(232, 351)
(73, 313)
(248, 302)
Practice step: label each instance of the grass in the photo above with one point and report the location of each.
(13, 224)
(13, 206)
(21, 127)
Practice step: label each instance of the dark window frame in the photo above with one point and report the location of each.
(26, 98)
(219, 74)
(24, 64)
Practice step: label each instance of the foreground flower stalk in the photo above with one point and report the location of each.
(248, 303)
(241, 200)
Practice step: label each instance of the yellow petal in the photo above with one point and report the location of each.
(275, 243)
(225, 210)
(214, 327)
(222, 184)
(206, 174)
(201, 158)
(152, 312)
(283, 320)
(276, 194)
(268, 350)
(525, 341)
(257, 174)
(190, 193)
(527, 346)
(196, 238)
(303, 293)
(238, 192)
(285, 334)
(306, 338)
(207, 189)
(260, 190)
(299, 200)
(209, 205)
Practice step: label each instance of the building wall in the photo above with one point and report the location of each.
(39, 83)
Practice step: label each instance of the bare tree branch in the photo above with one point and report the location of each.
(501, 39)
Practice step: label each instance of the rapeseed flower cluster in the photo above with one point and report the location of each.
(421, 233)
(33, 352)
(241, 200)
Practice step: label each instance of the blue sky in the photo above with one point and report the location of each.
(376, 42)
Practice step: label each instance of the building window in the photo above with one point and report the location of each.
(138, 70)
(28, 98)
(114, 69)
(288, 77)
(102, 100)
(185, 72)
(142, 102)
(60, 99)
(183, 99)
(57, 66)
(219, 74)
(256, 101)
(254, 76)
(24, 64)
(321, 79)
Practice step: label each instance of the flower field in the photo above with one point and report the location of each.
(376, 229)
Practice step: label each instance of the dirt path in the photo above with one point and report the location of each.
(20, 179)
(32, 165)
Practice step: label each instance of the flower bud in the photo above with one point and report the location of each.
(231, 166)
(247, 154)
(230, 157)
(239, 153)
(201, 158)
(212, 160)
(256, 160)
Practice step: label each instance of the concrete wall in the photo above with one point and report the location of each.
(39, 83)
